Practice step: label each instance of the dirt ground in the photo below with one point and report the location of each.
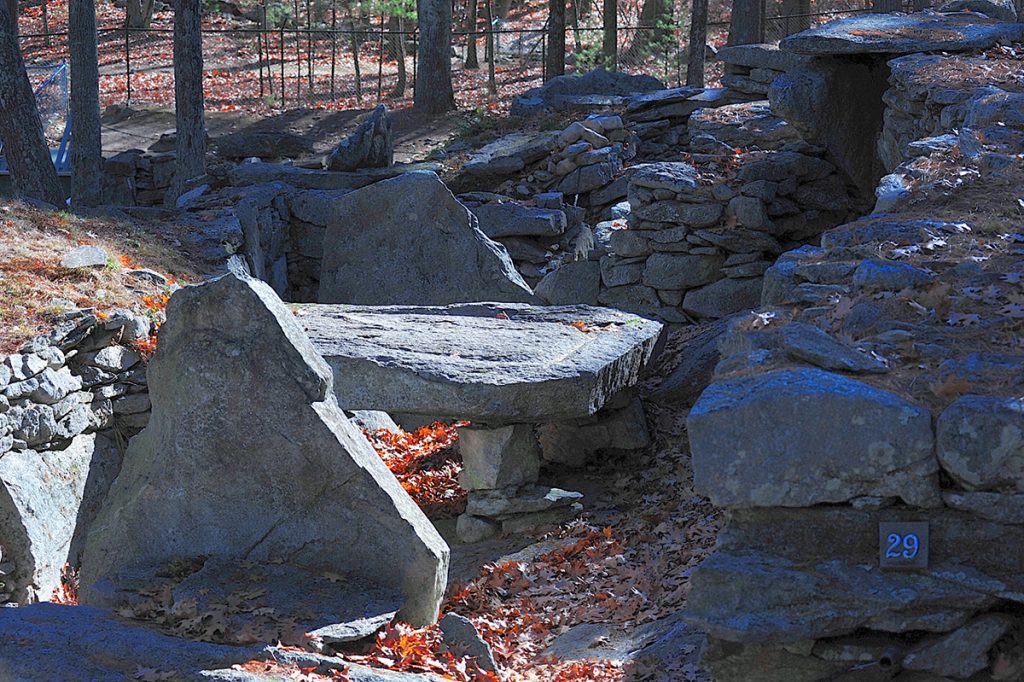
(415, 135)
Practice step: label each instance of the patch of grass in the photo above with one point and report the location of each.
(34, 287)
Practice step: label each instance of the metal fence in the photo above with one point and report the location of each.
(344, 65)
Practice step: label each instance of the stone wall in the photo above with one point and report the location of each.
(923, 101)
(696, 244)
(137, 178)
(861, 398)
(68, 402)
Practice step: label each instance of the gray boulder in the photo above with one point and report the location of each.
(996, 9)
(38, 518)
(510, 219)
(571, 283)
(851, 440)
(962, 652)
(372, 145)
(724, 297)
(810, 344)
(286, 478)
(408, 240)
(594, 87)
(85, 256)
(981, 442)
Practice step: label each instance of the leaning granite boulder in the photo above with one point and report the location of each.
(372, 145)
(247, 456)
(409, 241)
(851, 440)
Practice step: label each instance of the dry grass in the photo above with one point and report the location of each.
(34, 287)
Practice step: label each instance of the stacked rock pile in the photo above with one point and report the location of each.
(135, 178)
(698, 246)
(750, 69)
(923, 101)
(82, 378)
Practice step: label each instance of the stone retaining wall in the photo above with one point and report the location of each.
(697, 247)
(923, 102)
(68, 402)
(854, 420)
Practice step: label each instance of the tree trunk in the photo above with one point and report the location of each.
(21, 131)
(492, 84)
(434, 94)
(797, 16)
(747, 25)
(139, 13)
(472, 58)
(398, 41)
(886, 5)
(610, 44)
(13, 5)
(698, 41)
(555, 65)
(86, 147)
(188, 95)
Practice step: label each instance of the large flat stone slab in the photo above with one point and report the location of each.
(903, 34)
(247, 456)
(488, 362)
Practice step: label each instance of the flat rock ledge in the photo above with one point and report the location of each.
(494, 363)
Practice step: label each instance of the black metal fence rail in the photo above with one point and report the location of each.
(310, 65)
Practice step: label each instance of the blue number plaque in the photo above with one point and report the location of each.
(903, 544)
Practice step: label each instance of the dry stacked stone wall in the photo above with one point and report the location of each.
(68, 401)
(697, 243)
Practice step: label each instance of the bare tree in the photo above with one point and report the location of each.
(747, 24)
(86, 146)
(555, 61)
(189, 116)
(610, 43)
(21, 131)
(434, 92)
(698, 42)
(472, 59)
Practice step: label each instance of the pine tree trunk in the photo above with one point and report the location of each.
(492, 85)
(434, 93)
(610, 44)
(698, 41)
(472, 58)
(747, 25)
(556, 39)
(86, 146)
(24, 146)
(13, 5)
(188, 95)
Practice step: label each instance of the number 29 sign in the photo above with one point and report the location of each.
(903, 544)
